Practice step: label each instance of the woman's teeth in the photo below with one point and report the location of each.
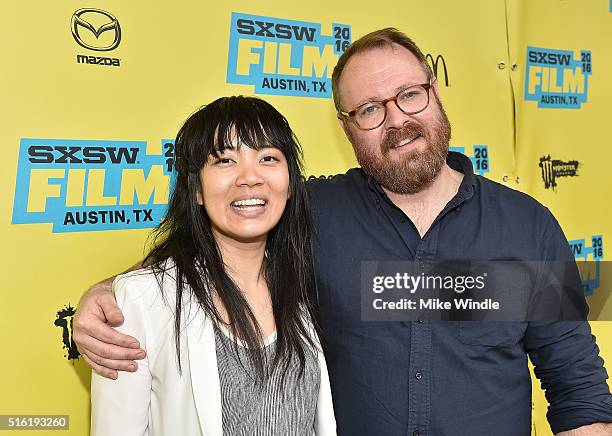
(249, 204)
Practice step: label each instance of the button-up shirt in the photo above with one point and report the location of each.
(453, 377)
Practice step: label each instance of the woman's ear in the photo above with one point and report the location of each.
(199, 198)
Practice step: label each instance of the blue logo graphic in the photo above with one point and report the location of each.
(284, 57)
(479, 158)
(590, 278)
(87, 185)
(555, 79)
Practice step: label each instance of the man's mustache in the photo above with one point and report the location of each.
(394, 137)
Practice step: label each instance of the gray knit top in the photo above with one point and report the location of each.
(276, 406)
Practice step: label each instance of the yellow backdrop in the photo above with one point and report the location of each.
(92, 92)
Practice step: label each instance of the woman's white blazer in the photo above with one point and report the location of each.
(157, 400)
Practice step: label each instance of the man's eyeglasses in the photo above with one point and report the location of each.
(372, 114)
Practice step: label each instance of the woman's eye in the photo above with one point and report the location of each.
(269, 159)
(223, 160)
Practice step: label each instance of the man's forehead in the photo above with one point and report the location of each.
(377, 72)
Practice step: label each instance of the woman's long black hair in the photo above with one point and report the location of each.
(185, 234)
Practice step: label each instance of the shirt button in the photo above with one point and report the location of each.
(415, 433)
(418, 375)
(420, 321)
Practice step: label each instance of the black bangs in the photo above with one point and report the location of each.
(231, 122)
(241, 125)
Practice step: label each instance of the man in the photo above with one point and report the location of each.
(413, 200)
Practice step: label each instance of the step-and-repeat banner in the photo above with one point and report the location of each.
(94, 91)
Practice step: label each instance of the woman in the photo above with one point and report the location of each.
(223, 308)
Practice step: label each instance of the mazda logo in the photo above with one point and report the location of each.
(79, 23)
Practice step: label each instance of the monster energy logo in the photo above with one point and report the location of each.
(553, 169)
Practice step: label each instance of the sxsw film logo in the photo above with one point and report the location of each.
(284, 57)
(86, 185)
(63, 320)
(552, 169)
(96, 30)
(479, 158)
(592, 257)
(555, 79)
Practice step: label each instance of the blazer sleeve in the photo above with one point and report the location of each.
(121, 407)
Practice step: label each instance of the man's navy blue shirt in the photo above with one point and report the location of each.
(445, 378)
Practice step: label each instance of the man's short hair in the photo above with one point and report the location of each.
(377, 39)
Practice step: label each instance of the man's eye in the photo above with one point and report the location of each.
(409, 94)
(368, 110)
(223, 160)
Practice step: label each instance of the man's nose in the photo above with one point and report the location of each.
(395, 117)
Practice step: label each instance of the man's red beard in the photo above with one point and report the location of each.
(414, 170)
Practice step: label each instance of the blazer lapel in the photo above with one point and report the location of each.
(204, 374)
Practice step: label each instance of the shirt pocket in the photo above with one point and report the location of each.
(491, 333)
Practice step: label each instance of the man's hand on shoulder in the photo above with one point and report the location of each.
(103, 348)
(597, 429)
